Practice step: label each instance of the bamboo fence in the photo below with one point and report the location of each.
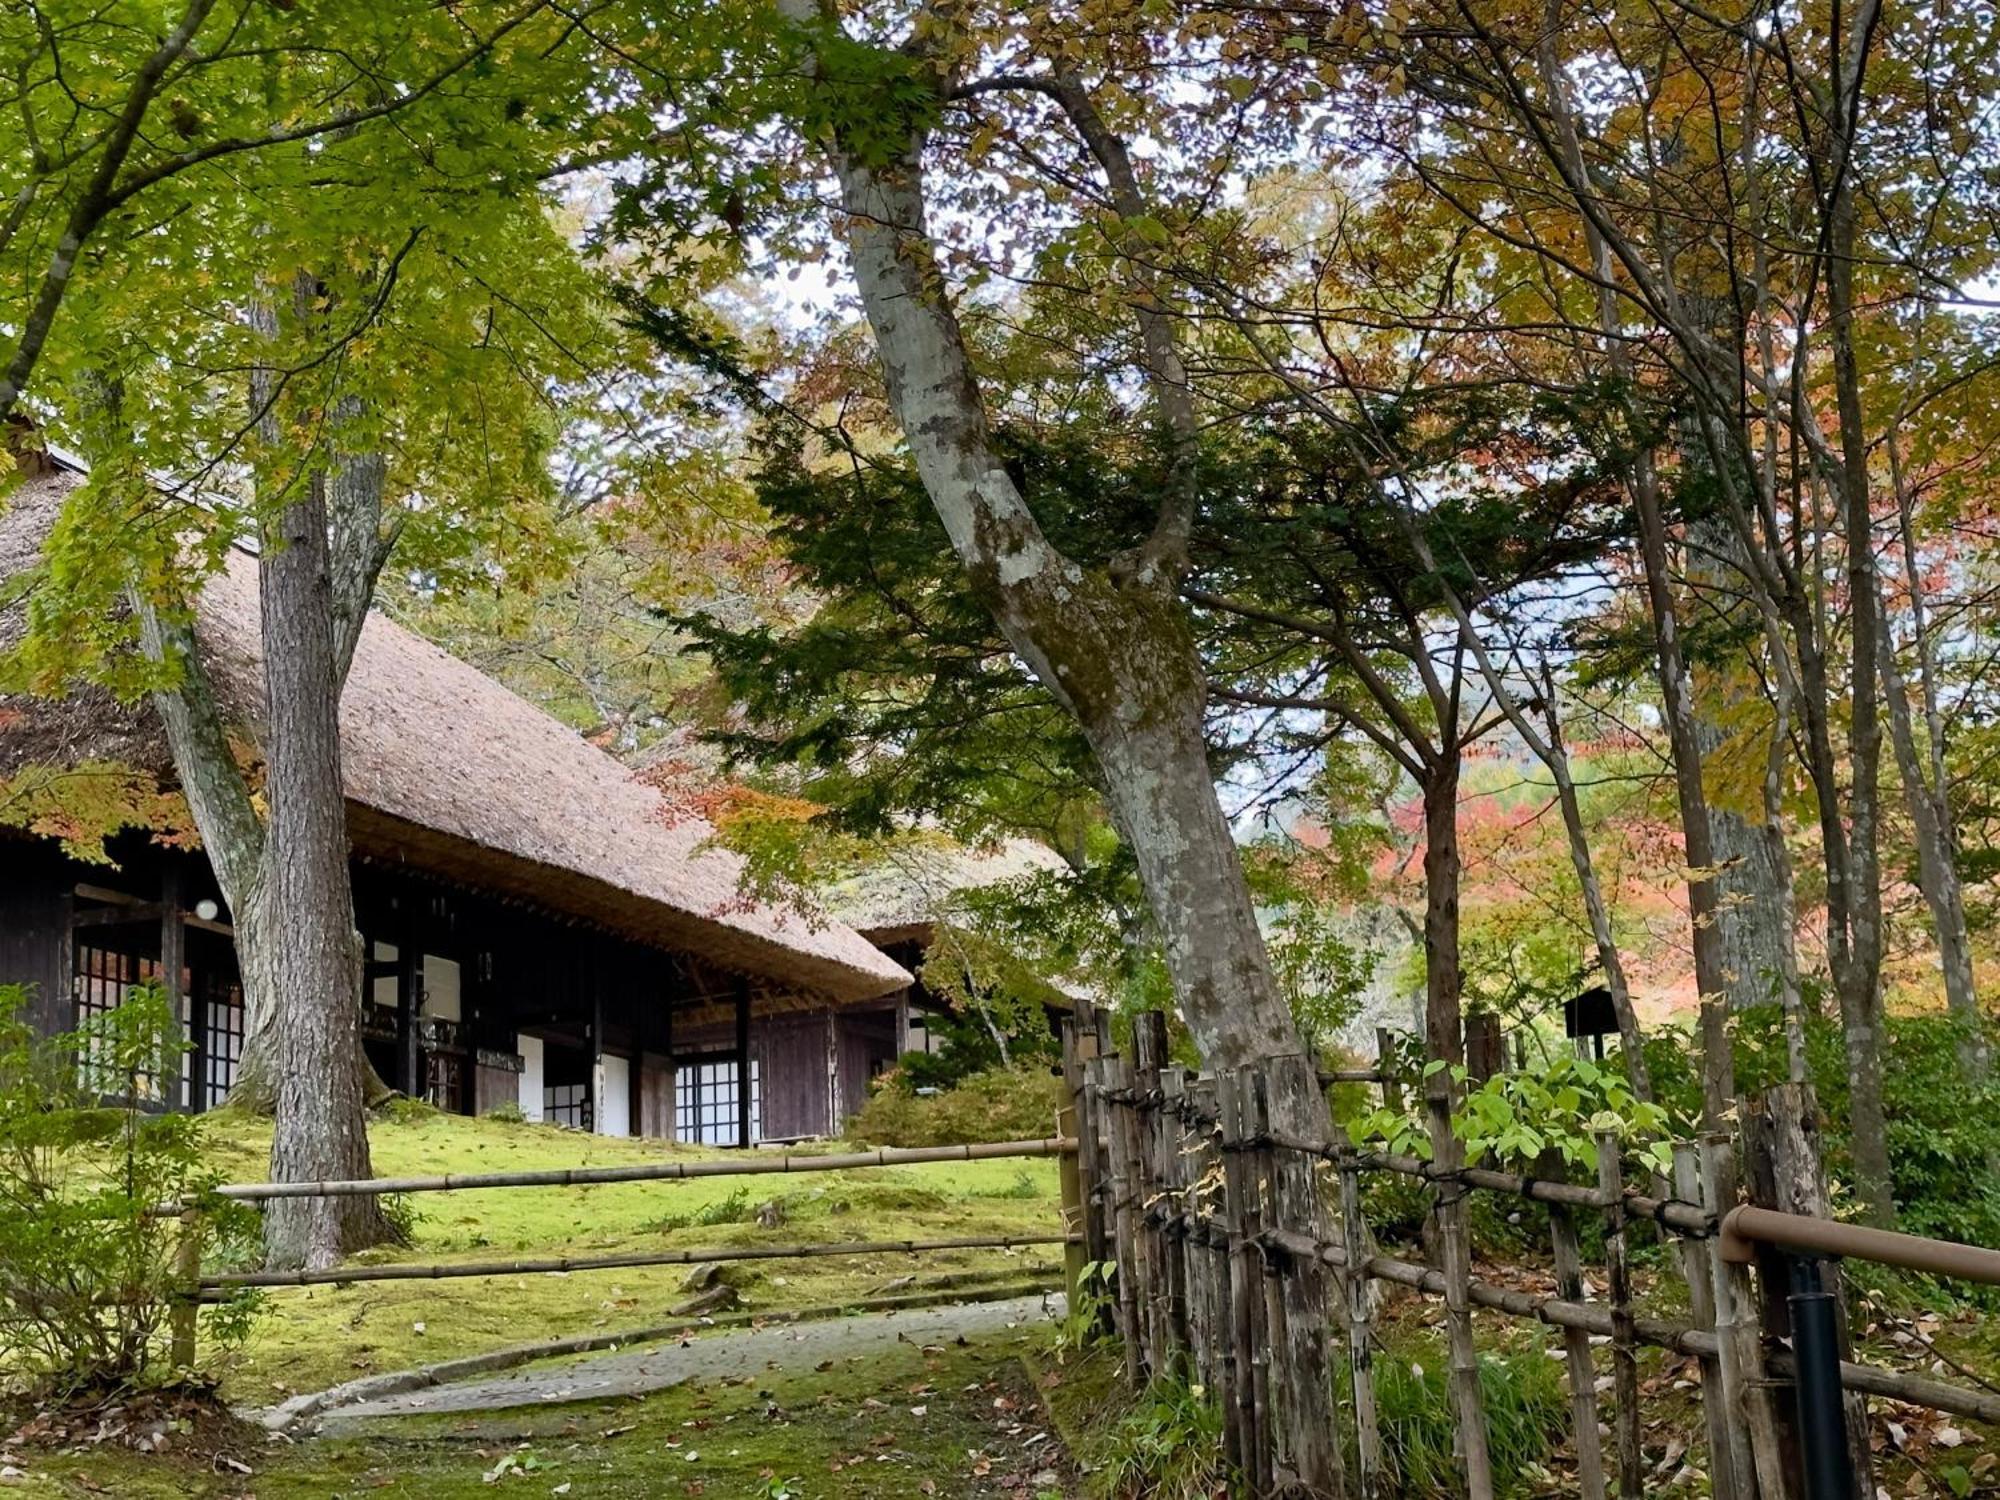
(1246, 1262)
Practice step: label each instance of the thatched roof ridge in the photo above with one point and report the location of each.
(449, 772)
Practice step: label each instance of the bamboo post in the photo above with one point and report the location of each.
(1455, 1252)
(1079, 1048)
(1618, 1275)
(1781, 1139)
(182, 1320)
(1576, 1349)
(1208, 1263)
(1109, 1074)
(1361, 1333)
(1075, 1213)
(1729, 1474)
(1171, 1168)
(1149, 1053)
(1306, 1454)
(1242, 1214)
(1740, 1357)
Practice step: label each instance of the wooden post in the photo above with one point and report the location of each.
(1106, 1078)
(1746, 1387)
(1385, 1060)
(181, 1321)
(1170, 1173)
(1244, 1217)
(1782, 1153)
(673, 1095)
(176, 1091)
(1729, 1474)
(1361, 1332)
(1075, 1255)
(1163, 1191)
(1455, 1251)
(742, 997)
(1285, 1099)
(409, 1001)
(1142, 1115)
(1079, 1047)
(1208, 1264)
(1576, 1346)
(1618, 1274)
(1484, 1047)
(1138, 1271)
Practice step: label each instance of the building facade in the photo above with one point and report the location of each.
(542, 930)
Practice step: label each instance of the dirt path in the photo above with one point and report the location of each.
(731, 1354)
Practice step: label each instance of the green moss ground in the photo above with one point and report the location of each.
(958, 1421)
(318, 1336)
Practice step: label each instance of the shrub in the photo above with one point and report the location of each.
(1943, 1128)
(89, 1279)
(998, 1104)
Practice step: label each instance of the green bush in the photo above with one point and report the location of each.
(1943, 1128)
(89, 1269)
(998, 1104)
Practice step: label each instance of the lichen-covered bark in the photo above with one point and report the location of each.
(1112, 644)
(1755, 917)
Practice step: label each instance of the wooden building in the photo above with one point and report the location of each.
(542, 928)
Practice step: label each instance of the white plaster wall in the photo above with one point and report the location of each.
(530, 1048)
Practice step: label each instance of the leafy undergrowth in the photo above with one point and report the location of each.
(313, 1337)
(958, 1421)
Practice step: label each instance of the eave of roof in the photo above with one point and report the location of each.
(447, 770)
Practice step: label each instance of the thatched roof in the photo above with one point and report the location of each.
(448, 772)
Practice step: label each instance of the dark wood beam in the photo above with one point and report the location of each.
(409, 1001)
(119, 916)
(743, 1063)
(173, 966)
(673, 1074)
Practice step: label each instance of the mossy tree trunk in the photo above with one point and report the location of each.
(1112, 643)
(285, 873)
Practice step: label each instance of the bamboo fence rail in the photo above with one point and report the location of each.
(753, 1165)
(1226, 1221)
(449, 1270)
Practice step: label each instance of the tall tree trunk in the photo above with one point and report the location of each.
(1861, 987)
(1718, 1066)
(1754, 914)
(1444, 1036)
(1112, 644)
(1549, 748)
(1631, 1041)
(1927, 785)
(1937, 867)
(307, 901)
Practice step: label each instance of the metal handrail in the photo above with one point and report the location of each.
(1746, 1227)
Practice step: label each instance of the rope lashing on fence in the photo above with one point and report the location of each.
(1597, 1320)
(448, 1271)
(746, 1166)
